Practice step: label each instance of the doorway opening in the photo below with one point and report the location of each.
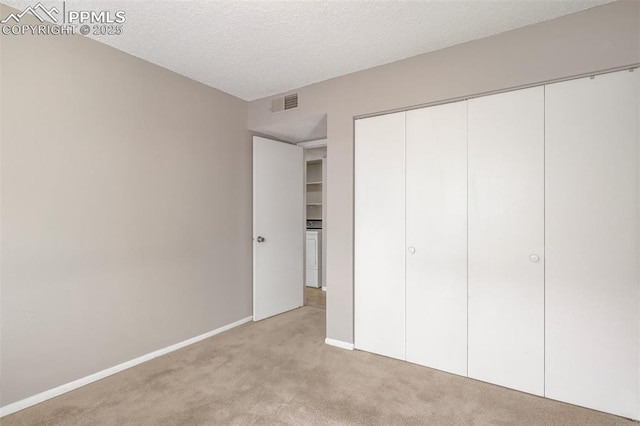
(315, 214)
(301, 261)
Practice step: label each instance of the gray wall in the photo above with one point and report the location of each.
(596, 39)
(126, 210)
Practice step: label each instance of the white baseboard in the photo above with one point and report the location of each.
(339, 344)
(324, 288)
(57, 391)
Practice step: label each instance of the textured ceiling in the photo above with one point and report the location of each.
(253, 49)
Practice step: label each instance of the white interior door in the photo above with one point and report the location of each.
(592, 327)
(379, 259)
(437, 237)
(278, 227)
(506, 239)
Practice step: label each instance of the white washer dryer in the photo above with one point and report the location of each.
(314, 258)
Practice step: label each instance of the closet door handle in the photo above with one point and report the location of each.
(412, 250)
(534, 258)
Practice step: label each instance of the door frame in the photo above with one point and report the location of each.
(318, 143)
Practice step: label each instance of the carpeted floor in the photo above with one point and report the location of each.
(315, 297)
(279, 371)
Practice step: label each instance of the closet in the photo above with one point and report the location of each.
(506, 239)
(497, 238)
(591, 212)
(380, 234)
(436, 232)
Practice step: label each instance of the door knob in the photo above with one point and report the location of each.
(412, 250)
(534, 258)
(260, 239)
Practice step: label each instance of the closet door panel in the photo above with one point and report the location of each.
(506, 239)
(592, 323)
(437, 237)
(379, 256)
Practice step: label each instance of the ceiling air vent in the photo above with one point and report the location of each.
(291, 101)
(284, 103)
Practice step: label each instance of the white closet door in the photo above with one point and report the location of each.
(592, 327)
(437, 237)
(379, 259)
(506, 239)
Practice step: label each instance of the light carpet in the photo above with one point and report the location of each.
(279, 371)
